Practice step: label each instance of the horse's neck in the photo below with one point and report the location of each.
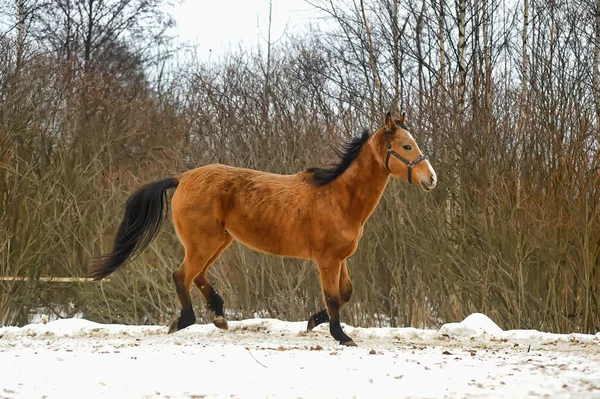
(363, 184)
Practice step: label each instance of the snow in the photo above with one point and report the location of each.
(474, 325)
(266, 358)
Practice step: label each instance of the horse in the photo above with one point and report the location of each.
(317, 214)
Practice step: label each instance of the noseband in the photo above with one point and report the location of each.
(390, 151)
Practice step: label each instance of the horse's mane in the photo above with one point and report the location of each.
(348, 153)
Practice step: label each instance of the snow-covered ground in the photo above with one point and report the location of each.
(266, 358)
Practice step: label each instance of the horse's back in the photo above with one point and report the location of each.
(224, 180)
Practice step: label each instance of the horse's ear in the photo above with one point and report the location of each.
(402, 117)
(389, 122)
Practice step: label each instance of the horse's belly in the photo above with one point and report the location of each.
(279, 235)
(271, 243)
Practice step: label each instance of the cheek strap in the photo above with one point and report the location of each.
(409, 164)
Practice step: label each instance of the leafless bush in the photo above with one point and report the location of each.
(513, 229)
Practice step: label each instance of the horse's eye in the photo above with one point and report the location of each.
(407, 147)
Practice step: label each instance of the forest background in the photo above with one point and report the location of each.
(502, 96)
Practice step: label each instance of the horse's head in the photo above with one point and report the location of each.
(402, 156)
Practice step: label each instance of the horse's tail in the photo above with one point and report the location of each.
(140, 224)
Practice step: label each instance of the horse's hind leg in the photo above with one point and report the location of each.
(196, 259)
(214, 301)
(345, 294)
(187, 317)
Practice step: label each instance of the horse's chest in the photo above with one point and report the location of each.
(342, 241)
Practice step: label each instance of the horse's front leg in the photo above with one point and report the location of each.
(345, 295)
(336, 292)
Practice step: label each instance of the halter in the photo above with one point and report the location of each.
(390, 151)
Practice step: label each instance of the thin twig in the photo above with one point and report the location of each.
(255, 358)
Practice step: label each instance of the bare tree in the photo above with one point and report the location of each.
(442, 49)
(87, 30)
(461, 14)
(596, 65)
(372, 62)
(487, 60)
(21, 32)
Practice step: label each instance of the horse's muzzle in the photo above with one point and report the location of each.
(429, 183)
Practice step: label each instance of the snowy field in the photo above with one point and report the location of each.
(265, 358)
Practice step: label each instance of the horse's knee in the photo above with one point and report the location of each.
(333, 304)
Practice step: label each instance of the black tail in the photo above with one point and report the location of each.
(141, 223)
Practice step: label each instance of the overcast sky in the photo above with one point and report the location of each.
(216, 26)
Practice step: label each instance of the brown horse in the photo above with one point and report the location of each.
(317, 214)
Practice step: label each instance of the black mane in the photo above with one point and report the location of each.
(347, 154)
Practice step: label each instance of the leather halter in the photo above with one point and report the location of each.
(390, 151)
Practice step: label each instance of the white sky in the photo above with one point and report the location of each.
(217, 26)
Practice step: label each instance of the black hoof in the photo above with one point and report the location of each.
(348, 343)
(316, 319)
(186, 319)
(173, 327)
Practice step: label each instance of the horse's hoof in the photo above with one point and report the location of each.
(316, 319)
(173, 328)
(220, 322)
(348, 343)
(311, 324)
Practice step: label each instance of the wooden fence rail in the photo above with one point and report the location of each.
(50, 279)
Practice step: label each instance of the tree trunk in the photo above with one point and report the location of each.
(524, 52)
(419, 29)
(89, 33)
(442, 44)
(20, 32)
(488, 67)
(461, 11)
(396, 39)
(520, 139)
(267, 90)
(596, 66)
(372, 58)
